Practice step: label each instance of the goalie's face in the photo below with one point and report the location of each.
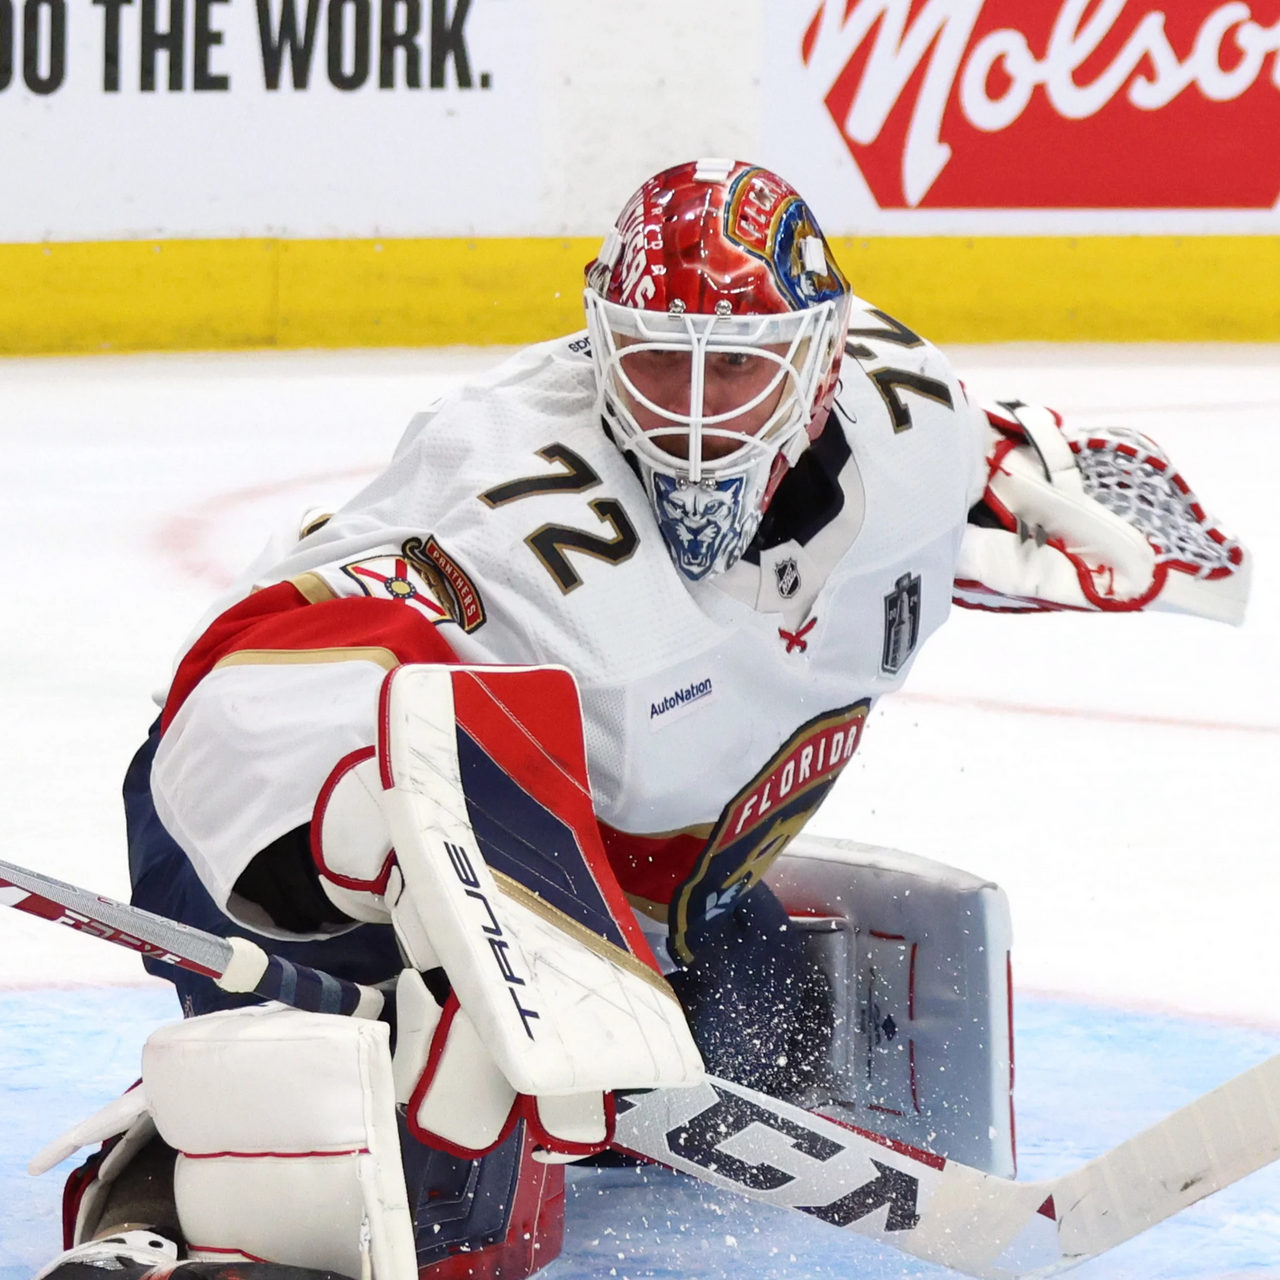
(740, 393)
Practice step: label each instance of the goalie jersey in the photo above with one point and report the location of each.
(508, 529)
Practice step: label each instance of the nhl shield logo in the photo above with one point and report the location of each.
(787, 573)
(901, 623)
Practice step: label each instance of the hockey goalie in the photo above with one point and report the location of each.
(517, 733)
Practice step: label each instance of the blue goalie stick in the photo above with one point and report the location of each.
(767, 1150)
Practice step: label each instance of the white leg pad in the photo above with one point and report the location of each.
(286, 1132)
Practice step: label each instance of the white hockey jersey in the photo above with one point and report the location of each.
(717, 714)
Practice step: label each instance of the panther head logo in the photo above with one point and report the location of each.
(699, 524)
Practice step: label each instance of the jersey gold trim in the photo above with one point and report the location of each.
(381, 657)
(654, 910)
(313, 588)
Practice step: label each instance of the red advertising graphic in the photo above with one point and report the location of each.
(1065, 104)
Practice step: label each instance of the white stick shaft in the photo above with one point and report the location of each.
(117, 922)
(1207, 1145)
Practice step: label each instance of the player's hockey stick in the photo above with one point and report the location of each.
(946, 1212)
(920, 1203)
(235, 964)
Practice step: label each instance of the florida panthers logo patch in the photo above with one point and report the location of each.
(393, 578)
(761, 820)
(451, 584)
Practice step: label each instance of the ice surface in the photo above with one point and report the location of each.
(1112, 774)
(1088, 1077)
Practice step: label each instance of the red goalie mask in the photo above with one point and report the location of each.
(717, 318)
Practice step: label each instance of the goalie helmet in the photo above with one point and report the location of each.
(717, 317)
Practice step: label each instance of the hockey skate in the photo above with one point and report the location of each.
(133, 1255)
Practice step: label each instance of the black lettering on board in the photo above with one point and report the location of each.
(449, 43)
(207, 36)
(33, 38)
(339, 76)
(6, 43)
(33, 24)
(111, 43)
(392, 37)
(285, 36)
(171, 43)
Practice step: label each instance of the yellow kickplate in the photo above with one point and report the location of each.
(225, 294)
(137, 296)
(1082, 289)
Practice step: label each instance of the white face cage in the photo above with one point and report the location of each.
(707, 530)
(617, 333)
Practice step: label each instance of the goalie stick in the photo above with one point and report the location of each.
(732, 1137)
(235, 964)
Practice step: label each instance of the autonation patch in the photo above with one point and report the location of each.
(679, 702)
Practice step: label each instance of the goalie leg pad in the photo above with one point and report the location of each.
(916, 957)
(472, 830)
(500, 1217)
(128, 1184)
(288, 1147)
(133, 1255)
(455, 1095)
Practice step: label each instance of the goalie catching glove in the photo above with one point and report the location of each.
(470, 829)
(1096, 521)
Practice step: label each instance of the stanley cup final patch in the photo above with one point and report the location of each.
(901, 623)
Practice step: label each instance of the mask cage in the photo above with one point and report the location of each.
(810, 340)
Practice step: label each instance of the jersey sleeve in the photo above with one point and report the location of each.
(278, 690)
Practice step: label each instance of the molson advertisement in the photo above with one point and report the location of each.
(977, 106)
